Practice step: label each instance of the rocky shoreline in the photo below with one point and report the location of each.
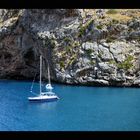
(82, 47)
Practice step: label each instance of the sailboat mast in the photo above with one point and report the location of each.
(49, 80)
(40, 72)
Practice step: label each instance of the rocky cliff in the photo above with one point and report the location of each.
(97, 47)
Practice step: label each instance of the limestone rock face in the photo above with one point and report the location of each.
(80, 48)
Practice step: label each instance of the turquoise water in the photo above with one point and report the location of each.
(79, 109)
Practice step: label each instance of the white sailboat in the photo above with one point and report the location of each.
(48, 95)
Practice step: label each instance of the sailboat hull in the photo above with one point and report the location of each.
(45, 98)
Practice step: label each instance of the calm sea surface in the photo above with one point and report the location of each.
(79, 108)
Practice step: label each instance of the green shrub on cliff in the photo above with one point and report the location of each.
(112, 62)
(112, 11)
(115, 21)
(92, 62)
(62, 64)
(82, 29)
(89, 51)
(66, 39)
(127, 63)
(99, 27)
(110, 39)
